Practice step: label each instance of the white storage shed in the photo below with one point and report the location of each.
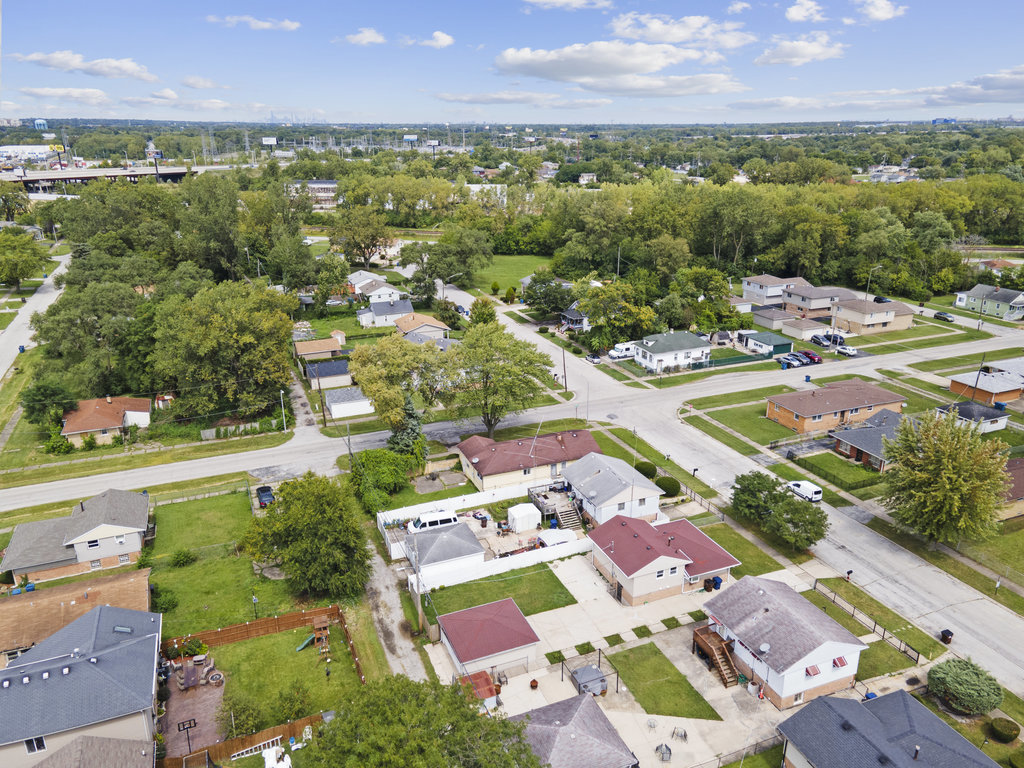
(523, 517)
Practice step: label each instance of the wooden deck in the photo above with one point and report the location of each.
(717, 650)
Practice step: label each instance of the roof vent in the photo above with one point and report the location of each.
(623, 523)
(519, 443)
(46, 675)
(25, 679)
(7, 683)
(884, 760)
(92, 659)
(65, 670)
(476, 459)
(846, 725)
(648, 546)
(635, 535)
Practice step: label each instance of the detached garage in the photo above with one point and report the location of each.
(346, 402)
(768, 342)
(329, 374)
(492, 637)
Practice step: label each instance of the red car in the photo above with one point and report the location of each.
(815, 357)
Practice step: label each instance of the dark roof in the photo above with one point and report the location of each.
(418, 338)
(438, 546)
(573, 312)
(575, 733)
(866, 307)
(832, 732)
(835, 396)
(762, 611)
(124, 509)
(476, 633)
(326, 368)
(400, 307)
(492, 458)
(110, 674)
(632, 544)
(972, 411)
(97, 750)
(1015, 472)
(673, 341)
(38, 543)
(868, 438)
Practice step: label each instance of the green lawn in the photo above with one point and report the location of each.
(963, 361)
(610, 447)
(770, 758)
(6, 318)
(835, 612)
(658, 459)
(612, 371)
(839, 471)
(507, 270)
(736, 398)
(408, 496)
(941, 392)
(754, 561)
(749, 421)
(1006, 548)
(719, 434)
(686, 378)
(881, 659)
(535, 590)
(915, 332)
(976, 730)
(939, 341)
(658, 686)
(915, 403)
(221, 519)
(843, 377)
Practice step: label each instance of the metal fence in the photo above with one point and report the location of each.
(710, 506)
(735, 360)
(837, 480)
(1001, 568)
(868, 622)
(736, 756)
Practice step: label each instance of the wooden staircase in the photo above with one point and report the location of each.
(723, 663)
(570, 519)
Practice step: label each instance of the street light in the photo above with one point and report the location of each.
(444, 285)
(870, 271)
(126, 162)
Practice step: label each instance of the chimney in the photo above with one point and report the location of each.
(917, 751)
(108, 398)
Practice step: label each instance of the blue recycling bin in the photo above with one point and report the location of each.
(807, 378)
(21, 348)
(554, 523)
(30, 587)
(785, 365)
(718, 582)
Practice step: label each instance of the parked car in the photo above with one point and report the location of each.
(593, 358)
(814, 357)
(843, 349)
(945, 316)
(307, 241)
(791, 360)
(805, 490)
(834, 338)
(461, 310)
(265, 496)
(804, 360)
(882, 300)
(819, 339)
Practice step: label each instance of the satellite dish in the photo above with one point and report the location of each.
(765, 647)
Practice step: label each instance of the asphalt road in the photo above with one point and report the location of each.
(19, 332)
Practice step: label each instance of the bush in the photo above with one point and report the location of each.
(542, 329)
(510, 295)
(193, 647)
(163, 600)
(495, 287)
(647, 469)
(89, 442)
(669, 485)
(163, 693)
(145, 558)
(965, 687)
(173, 652)
(1004, 729)
(183, 557)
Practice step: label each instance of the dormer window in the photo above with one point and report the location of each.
(839, 662)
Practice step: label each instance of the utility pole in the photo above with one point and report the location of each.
(323, 405)
(284, 418)
(565, 376)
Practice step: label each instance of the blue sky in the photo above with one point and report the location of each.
(519, 61)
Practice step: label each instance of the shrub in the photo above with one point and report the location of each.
(510, 295)
(163, 600)
(542, 329)
(163, 693)
(1004, 729)
(647, 469)
(145, 558)
(1017, 759)
(193, 647)
(183, 557)
(495, 287)
(965, 687)
(173, 652)
(7, 577)
(669, 485)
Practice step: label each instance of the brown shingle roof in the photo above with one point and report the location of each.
(1015, 471)
(837, 396)
(865, 307)
(100, 414)
(476, 633)
(415, 320)
(318, 346)
(771, 280)
(491, 458)
(632, 544)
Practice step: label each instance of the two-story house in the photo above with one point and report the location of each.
(1004, 303)
(809, 301)
(867, 317)
(768, 289)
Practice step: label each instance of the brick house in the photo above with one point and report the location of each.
(987, 387)
(866, 317)
(866, 444)
(810, 301)
(768, 289)
(834, 405)
(105, 417)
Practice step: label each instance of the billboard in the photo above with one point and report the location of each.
(56, 147)
(270, 141)
(410, 137)
(433, 143)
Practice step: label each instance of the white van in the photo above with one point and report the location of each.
(432, 521)
(805, 490)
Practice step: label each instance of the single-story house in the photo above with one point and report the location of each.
(328, 374)
(320, 349)
(383, 313)
(97, 676)
(646, 562)
(895, 729)
(743, 306)
(780, 641)
(361, 277)
(989, 388)
(1013, 365)
(809, 301)
(347, 401)
(997, 266)
(768, 289)
(866, 317)
(424, 325)
(573, 319)
(671, 351)
(768, 343)
(605, 486)
(442, 344)
(490, 464)
(376, 291)
(105, 417)
(494, 637)
(1004, 303)
(801, 328)
(105, 531)
(771, 318)
(865, 443)
(969, 412)
(836, 404)
(444, 550)
(31, 617)
(575, 733)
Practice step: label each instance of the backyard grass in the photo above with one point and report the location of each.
(612, 371)
(753, 560)
(507, 270)
(658, 686)
(719, 434)
(659, 460)
(839, 471)
(770, 758)
(750, 422)
(535, 589)
(879, 659)
(736, 398)
(359, 618)
(788, 473)
(886, 617)
(408, 496)
(976, 730)
(221, 519)
(916, 403)
(963, 361)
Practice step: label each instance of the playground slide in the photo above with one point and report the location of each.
(306, 642)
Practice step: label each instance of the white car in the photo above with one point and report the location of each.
(307, 241)
(805, 490)
(849, 351)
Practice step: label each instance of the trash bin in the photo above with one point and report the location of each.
(807, 378)
(785, 365)
(947, 636)
(554, 523)
(717, 582)
(21, 347)
(483, 522)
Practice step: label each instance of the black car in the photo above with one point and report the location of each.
(834, 338)
(265, 496)
(882, 300)
(945, 316)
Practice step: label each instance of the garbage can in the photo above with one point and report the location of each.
(947, 636)
(554, 523)
(807, 378)
(21, 347)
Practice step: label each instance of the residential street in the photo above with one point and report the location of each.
(18, 332)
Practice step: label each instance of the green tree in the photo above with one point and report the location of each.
(239, 715)
(445, 311)
(394, 368)
(965, 686)
(545, 293)
(407, 437)
(396, 721)
(361, 233)
(754, 494)
(494, 374)
(482, 311)
(13, 199)
(945, 482)
(799, 523)
(314, 532)
(45, 400)
(20, 256)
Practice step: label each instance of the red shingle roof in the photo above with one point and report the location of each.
(476, 633)
(491, 458)
(481, 684)
(632, 544)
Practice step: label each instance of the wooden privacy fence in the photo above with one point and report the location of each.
(220, 753)
(270, 625)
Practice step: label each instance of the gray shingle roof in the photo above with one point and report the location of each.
(382, 308)
(673, 341)
(771, 313)
(973, 411)
(37, 543)
(868, 438)
(98, 750)
(760, 611)
(446, 544)
(112, 507)
(575, 733)
(990, 382)
(418, 338)
(121, 680)
(343, 395)
(844, 733)
(326, 368)
(601, 478)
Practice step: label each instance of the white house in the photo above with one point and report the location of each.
(495, 636)
(605, 487)
(781, 641)
(384, 313)
(347, 401)
(767, 289)
(361, 277)
(969, 412)
(433, 554)
(377, 291)
(671, 351)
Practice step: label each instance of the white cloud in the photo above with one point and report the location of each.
(199, 83)
(366, 36)
(694, 30)
(532, 98)
(664, 85)
(8, 106)
(571, 5)
(592, 60)
(165, 93)
(880, 10)
(438, 40)
(805, 10)
(91, 96)
(738, 7)
(252, 22)
(69, 61)
(848, 21)
(816, 46)
(778, 102)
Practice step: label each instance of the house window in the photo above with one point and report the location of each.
(622, 506)
(92, 544)
(123, 559)
(673, 570)
(812, 671)
(854, 410)
(660, 575)
(839, 662)
(693, 579)
(799, 698)
(38, 744)
(94, 564)
(642, 503)
(119, 539)
(871, 408)
(526, 471)
(884, 325)
(816, 418)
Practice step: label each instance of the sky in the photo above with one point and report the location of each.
(513, 61)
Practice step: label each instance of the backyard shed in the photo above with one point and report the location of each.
(523, 517)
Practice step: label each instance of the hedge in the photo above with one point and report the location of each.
(669, 485)
(646, 469)
(1004, 729)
